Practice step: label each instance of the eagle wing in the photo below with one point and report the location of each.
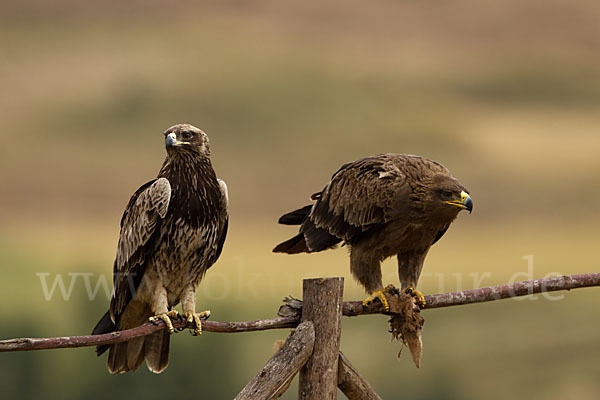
(140, 231)
(223, 217)
(360, 195)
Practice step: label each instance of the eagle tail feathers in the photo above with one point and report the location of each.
(295, 245)
(105, 325)
(295, 217)
(318, 239)
(135, 353)
(156, 351)
(117, 358)
(310, 240)
(128, 356)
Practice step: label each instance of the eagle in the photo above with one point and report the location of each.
(172, 231)
(380, 206)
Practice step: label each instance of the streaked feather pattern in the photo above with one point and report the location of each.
(381, 206)
(172, 231)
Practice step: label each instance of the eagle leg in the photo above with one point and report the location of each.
(188, 303)
(195, 319)
(166, 317)
(380, 295)
(420, 299)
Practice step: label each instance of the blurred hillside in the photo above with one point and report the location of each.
(505, 94)
(500, 93)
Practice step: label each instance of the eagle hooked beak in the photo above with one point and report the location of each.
(465, 202)
(171, 140)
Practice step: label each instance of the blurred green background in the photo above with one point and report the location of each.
(505, 94)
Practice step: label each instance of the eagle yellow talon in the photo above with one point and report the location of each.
(196, 320)
(166, 317)
(378, 294)
(420, 299)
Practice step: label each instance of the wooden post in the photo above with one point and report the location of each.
(322, 305)
(274, 378)
(352, 384)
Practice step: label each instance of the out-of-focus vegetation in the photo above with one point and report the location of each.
(506, 94)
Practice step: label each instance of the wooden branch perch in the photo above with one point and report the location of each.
(490, 293)
(291, 316)
(275, 377)
(323, 307)
(25, 344)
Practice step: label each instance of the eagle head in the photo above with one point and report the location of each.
(445, 197)
(186, 139)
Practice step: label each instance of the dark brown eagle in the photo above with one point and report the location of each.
(382, 206)
(172, 232)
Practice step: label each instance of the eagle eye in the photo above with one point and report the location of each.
(446, 194)
(187, 135)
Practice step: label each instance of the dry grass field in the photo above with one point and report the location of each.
(505, 94)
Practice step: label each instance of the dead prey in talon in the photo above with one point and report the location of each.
(172, 231)
(388, 205)
(420, 299)
(380, 295)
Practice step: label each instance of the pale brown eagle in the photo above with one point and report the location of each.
(172, 232)
(381, 206)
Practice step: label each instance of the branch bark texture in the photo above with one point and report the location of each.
(274, 378)
(291, 316)
(323, 307)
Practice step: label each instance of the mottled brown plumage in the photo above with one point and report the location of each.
(381, 206)
(172, 232)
